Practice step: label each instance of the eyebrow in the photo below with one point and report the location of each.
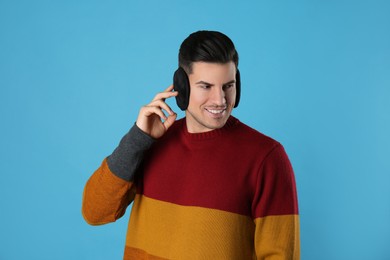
(209, 84)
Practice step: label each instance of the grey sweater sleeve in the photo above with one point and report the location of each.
(126, 158)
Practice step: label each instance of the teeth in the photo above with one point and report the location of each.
(215, 111)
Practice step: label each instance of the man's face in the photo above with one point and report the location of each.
(212, 96)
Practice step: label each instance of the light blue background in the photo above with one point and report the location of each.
(73, 74)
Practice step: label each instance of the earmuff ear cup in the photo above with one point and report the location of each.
(238, 88)
(181, 84)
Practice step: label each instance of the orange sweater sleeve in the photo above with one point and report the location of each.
(106, 196)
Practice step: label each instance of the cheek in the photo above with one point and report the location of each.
(197, 98)
(231, 96)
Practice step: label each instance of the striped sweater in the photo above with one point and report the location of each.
(225, 194)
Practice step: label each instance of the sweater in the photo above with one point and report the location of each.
(225, 194)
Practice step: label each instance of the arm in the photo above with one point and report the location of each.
(275, 209)
(110, 189)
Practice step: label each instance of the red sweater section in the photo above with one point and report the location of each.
(235, 169)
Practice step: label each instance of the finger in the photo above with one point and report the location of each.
(162, 105)
(150, 110)
(170, 120)
(170, 88)
(165, 95)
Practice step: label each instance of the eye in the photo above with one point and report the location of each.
(205, 86)
(228, 86)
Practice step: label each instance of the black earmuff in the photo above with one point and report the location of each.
(181, 84)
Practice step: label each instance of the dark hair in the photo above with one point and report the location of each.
(206, 46)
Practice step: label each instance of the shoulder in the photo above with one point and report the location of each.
(250, 136)
(271, 153)
(248, 142)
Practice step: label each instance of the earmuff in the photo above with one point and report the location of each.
(181, 84)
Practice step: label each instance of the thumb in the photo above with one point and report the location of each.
(170, 120)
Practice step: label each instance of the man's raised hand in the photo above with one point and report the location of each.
(152, 119)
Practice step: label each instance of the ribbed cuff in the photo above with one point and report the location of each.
(126, 158)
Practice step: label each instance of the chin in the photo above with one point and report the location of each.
(217, 123)
(204, 122)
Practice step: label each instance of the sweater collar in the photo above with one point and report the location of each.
(230, 123)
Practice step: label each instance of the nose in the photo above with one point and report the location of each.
(218, 96)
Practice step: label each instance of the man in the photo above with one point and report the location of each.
(206, 186)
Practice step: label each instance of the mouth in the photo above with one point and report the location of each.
(216, 112)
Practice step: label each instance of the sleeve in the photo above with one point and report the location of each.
(110, 189)
(275, 209)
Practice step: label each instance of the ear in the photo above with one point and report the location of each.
(181, 84)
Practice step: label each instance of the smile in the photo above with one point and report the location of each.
(216, 111)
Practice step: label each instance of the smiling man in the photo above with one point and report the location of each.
(205, 186)
(212, 96)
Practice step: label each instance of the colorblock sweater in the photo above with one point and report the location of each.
(225, 194)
